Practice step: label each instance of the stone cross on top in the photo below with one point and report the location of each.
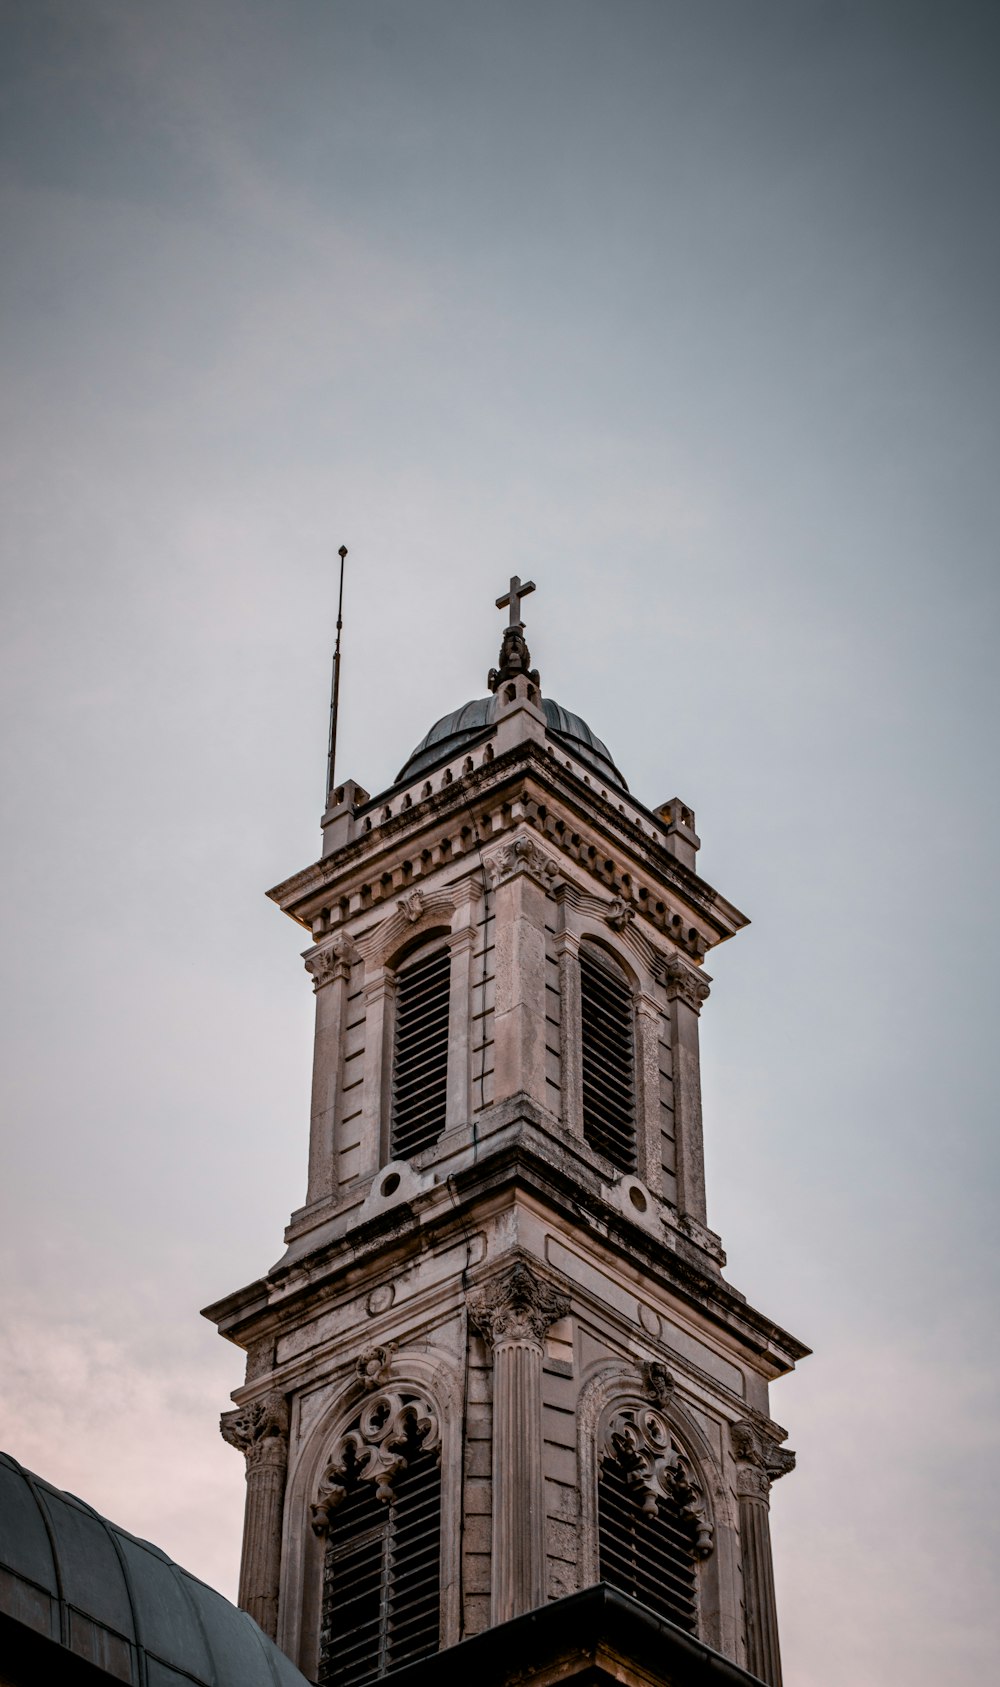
(513, 597)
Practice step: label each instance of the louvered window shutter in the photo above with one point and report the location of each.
(650, 1555)
(382, 1577)
(420, 1060)
(607, 1058)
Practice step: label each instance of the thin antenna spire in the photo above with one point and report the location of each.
(335, 687)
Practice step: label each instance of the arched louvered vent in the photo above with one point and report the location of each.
(382, 1576)
(652, 1526)
(648, 1556)
(420, 1061)
(608, 1058)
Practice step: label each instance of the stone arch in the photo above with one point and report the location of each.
(614, 1387)
(429, 1373)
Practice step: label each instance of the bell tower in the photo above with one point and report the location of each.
(498, 1363)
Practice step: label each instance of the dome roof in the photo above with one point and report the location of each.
(473, 720)
(65, 1570)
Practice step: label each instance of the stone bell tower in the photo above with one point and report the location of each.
(498, 1363)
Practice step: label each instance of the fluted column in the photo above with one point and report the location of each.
(513, 1311)
(260, 1431)
(759, 1462)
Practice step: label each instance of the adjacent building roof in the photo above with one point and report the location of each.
(473, 720)
(80, 1582)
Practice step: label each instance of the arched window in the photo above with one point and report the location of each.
(420, 1051)
(652, 1525)
(380, 1511)
(607, 1057)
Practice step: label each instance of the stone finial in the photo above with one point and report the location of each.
(516, 1305)
(686, 981)
(332, 961)
(759, 1459)
(259, 1429)
(521, 855)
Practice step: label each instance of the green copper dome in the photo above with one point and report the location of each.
(477, 719)
(78, 1582)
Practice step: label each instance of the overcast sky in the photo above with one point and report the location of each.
(688, 310)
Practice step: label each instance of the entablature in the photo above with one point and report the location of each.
(526, 786)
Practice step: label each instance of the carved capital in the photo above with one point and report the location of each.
(373, 1367)
(759, 1459)
(374, 1450)
(516, 1305)
(259, 1430)
(521, 855)
(686, 981)
(639, 1439)
(332, 961)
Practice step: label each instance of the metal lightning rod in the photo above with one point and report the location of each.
(335, 687)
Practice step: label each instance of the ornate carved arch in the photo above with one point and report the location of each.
(375, 1397)
(668, 1455)
(419, 915)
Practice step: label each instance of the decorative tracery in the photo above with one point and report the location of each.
(389, 1426)
(658, 1474)
(653, 1526)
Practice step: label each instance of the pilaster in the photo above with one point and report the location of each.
(259, 1430)
(330, 968)
(687, 988)
(759, 1462)
(512, 1311)
(523, 875)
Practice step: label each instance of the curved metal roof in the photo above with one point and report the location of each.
(448, 734)
(121, 1603)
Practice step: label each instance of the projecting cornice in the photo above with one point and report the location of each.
(620, 847)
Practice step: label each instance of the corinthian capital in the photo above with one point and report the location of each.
(521, 855)
(259, 1429)
(516, 1305)
(686, 981)
(332, 961)
(759, 1459)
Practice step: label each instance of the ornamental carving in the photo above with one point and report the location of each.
(332, 961)
(657, 1382)
(516, 1305)
(375, 1449)
(685, 981)
(259, 1429)
(373, 1366)
(759, 1459)
(619, 913)
(639, 1439)
(412, 905)
(521, 855)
